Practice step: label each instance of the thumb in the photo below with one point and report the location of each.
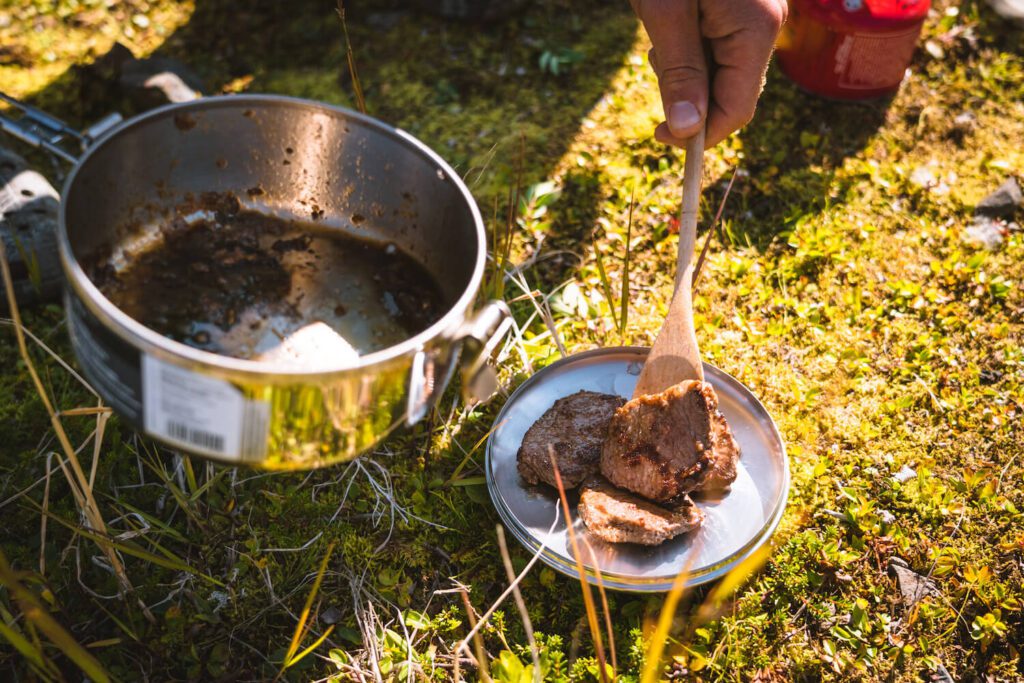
(674, 28)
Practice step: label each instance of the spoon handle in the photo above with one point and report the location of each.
(675, 356)
(693, 170)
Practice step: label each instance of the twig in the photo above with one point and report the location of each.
(625, 297)
(478, 643)
(523, 613)
(508, 591)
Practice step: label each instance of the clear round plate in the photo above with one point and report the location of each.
(736, 523)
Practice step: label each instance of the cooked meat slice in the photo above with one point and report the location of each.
(616, 516)
(725, 453)
(575, 427)
(664, 445)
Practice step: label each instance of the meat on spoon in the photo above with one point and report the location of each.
(664, 445)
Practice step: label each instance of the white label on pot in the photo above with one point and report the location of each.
(201, 414)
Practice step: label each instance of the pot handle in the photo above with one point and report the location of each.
(481, 336)
(38, 129)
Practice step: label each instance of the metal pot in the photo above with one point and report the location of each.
(300, 154)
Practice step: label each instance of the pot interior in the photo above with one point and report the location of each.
(232, 223)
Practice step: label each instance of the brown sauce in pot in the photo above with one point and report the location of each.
(237, 282)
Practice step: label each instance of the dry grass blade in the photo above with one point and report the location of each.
(588, 598)
(101, 426)
(513, 214)
(167, 560)
(523, 613)
(542, 309)
(89, 507)
(357, 86)
(316, 643)
(711, 230)
(301, 627)
(42, 518)
(36, 614)
(93, 410)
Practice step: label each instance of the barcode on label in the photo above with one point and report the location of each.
(205, 415)
(195, 437)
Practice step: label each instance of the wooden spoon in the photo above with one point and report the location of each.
(675, 356)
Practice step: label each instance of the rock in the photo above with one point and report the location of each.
(384, 21)
(941, 675)
(331, 615)
(965, 120)
(159, 80)
(15, 55)
(985, 233)
(923, 176)
(905, 474)
(28, 226)
(1003, 202)
(1009, 9)
(471, 10)
(964, 124)
(129, 85)
(913, 586)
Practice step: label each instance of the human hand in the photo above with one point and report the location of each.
(740, 35)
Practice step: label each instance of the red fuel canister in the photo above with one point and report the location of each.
(850, 49)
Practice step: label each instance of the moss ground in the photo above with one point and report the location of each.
(844, 294)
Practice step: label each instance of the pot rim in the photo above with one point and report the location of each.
(136, 333)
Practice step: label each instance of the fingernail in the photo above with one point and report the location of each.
(682, 116)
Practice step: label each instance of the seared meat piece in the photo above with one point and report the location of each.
(725, 452)
(664, 445)
(575, 427)
(616, 516)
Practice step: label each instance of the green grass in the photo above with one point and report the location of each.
(844, 296)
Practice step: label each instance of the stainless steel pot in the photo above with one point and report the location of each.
(300, 154)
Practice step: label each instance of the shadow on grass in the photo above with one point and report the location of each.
(476, 93)
(791, 150)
